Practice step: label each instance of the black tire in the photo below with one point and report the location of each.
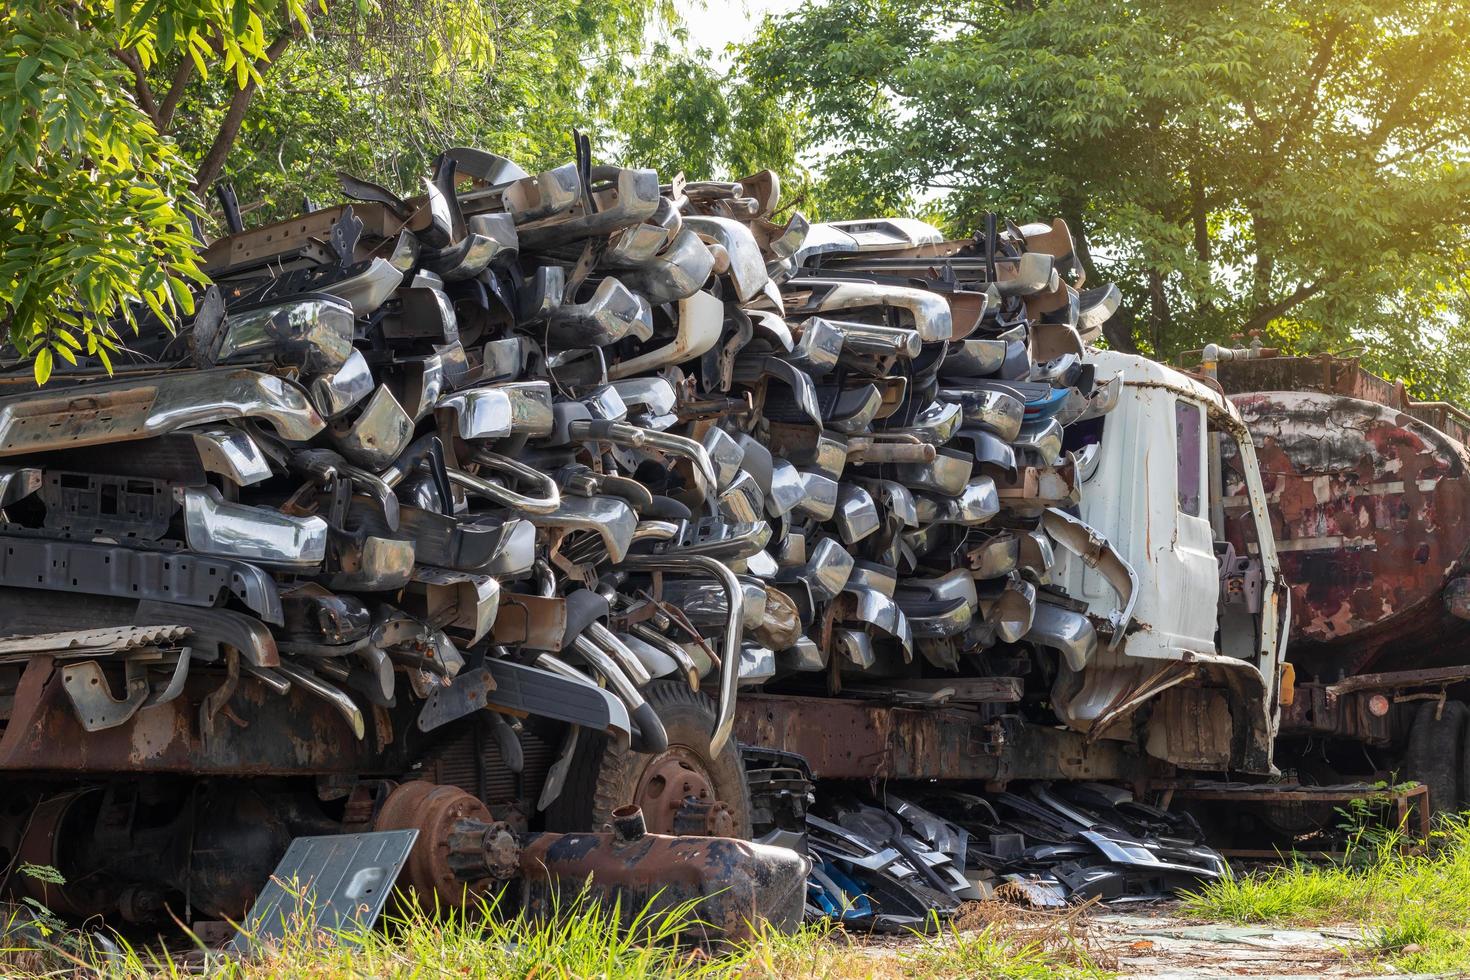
(1435, 752)
(605, 772)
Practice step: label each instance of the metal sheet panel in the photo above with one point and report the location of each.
(337, 884)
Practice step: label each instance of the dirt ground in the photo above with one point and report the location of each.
(1155, 940)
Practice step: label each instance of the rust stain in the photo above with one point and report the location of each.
(1370, 508)
(861, 740)
(153, 731)
(288, 735)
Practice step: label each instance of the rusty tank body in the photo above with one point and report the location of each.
(1369, 496)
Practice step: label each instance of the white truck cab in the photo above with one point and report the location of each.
(1194, 677)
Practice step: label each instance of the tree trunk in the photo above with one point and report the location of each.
(1072, 215)
(1118, 330)
(1160, 318)
(1199, 212)
(224, 139)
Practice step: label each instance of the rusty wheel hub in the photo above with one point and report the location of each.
(434, 811)
(37, 845)
(678, 797)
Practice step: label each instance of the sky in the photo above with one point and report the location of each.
(714, 24)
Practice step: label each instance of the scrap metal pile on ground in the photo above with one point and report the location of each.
(907, 858)
(906, 865)
(539, 442)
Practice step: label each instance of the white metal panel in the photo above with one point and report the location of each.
(1131, 498)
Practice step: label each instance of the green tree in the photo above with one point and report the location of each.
(677, 113)
(1296, 167)
(380, 91)
(117, 118)
(94, 199)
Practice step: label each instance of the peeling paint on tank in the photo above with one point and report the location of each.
(1371, 511)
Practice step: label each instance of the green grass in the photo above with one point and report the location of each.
(586, 941)
(1414, 908)
(998, 951)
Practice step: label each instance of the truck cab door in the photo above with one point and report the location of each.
(1192, 555)
(1255, 602)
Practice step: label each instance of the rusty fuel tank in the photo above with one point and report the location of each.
(1370, 505)
(723, 888)
(734, 885)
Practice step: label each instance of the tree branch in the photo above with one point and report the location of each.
(1264, 130)
(175, 93)
(1307, 104)
(1198, 210)
(141, 91)
(1263, 315)
(229, 128)
(1160, 318)
(1404, 97)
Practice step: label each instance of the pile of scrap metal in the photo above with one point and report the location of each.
(959, 480)
(536, 443)
(907, 858)
(1066, 842)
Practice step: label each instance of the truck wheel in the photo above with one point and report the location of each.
(605, 774)
(1434, 753)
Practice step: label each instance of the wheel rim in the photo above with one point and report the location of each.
(678, 796)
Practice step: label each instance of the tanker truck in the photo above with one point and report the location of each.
(1369, 500)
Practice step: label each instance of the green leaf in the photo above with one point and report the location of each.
(42, 872)
(200, 65)
(153, 304)
(26, 69)
(182, 297)
(166, 30)
(144, 14)
(42, 366)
